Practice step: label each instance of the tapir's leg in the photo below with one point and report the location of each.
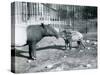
(32, 51)
(78, 42)
(82, 43)
(66, 44)
(70, 45)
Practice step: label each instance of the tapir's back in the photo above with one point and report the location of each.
(76, 35)
(34, 32)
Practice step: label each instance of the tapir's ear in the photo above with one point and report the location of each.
(42, 24)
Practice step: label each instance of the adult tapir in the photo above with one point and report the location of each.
(35, 33)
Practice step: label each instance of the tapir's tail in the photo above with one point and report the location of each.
(19, 46)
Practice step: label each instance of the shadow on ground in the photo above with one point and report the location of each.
(18, 53)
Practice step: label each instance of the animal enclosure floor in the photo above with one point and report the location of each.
(51, 56)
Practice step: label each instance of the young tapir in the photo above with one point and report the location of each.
(35, 33)
(72, 36)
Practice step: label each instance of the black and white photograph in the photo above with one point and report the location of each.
(49, 37)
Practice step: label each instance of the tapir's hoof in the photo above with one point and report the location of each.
(33, 58)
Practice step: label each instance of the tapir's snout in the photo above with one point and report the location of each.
(57, 36)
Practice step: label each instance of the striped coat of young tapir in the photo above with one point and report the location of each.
(72, 36)
(35, 33)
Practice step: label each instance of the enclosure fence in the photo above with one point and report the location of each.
(36, 13)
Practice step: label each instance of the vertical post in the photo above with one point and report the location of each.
(35, 11)
(70, 24)
(41, 12)
(73, 17)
